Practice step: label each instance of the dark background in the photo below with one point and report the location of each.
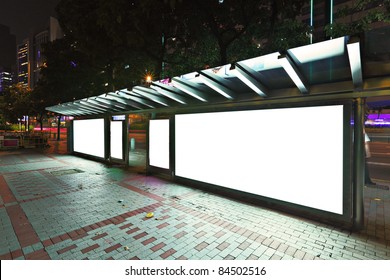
(22, 16)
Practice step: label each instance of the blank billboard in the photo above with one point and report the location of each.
(293, 154)
(159, 143)
(116, 140)
(88, 137)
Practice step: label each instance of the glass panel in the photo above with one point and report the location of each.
(137, 138)
(376, 60)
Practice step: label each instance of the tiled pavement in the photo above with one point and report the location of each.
(57, 206)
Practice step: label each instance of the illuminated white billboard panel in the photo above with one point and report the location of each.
(88, 137)
(116, 136)
(293, 154)
(159, 143)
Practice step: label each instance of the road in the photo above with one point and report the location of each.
(379, 163)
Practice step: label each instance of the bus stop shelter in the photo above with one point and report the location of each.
(285, 130)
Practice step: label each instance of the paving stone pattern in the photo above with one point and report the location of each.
(99, 212)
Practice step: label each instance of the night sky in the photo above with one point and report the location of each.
(24, 15)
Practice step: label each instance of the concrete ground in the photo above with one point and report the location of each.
(57, 206)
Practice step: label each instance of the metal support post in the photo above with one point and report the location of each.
(126, 139)
(358, 165)
(59, 128)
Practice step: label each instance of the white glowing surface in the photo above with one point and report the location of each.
(116, 149)
(319, 51)
(280, 153)
(88, 137)
(159, 143)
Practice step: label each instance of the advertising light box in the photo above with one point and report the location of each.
(159, 143)
(293, 155)
(116, 138)
(88, 137)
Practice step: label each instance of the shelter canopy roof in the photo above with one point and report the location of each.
(331, 69)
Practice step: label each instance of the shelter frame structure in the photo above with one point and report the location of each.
(327, 77)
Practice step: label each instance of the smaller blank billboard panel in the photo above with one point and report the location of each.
(292, 154)
(88, 137)
(116, 139)
(159, 143)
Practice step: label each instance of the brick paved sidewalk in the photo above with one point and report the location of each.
(55, 206)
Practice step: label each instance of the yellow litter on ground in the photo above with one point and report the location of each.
(149, 215)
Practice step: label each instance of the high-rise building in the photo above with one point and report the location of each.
(23, 63)
(51, 32)
(6, 79)
(31, 51)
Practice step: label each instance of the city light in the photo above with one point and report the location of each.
(148, 78)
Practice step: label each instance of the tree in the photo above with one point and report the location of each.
(16, 103)
(97, 31)
(354, 23)
(66, 75)
(169, 37)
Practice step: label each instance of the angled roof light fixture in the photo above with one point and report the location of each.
(189, 88)
(83, 109)
(107, 98)
(355, 64)
(124, 100)
(151, 95)
(247, 76)
(168, 91)
(83, 105)
(94, 102)
(216, 83)
(112, 103)
(292, 70)
(116, 97)
(65, 109)
(129, 91)
(135, 99)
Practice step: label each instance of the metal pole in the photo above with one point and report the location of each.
(358, 165)
(58, 128)
(311, 20)
(331, 16)
(126, 139)
(163, 51)
(107, 138)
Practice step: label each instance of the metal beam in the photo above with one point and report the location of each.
(135, 101)
(151, 94)
(111, 102)
(218, 84)
(359, 165)
(92, 104)
(78, 110)
(190, 88)
(137, 98)
(293, 72)
(248, 76)
(169, 91)
(81, 107)
(109, 109)
(126, 101)
(355, 64)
